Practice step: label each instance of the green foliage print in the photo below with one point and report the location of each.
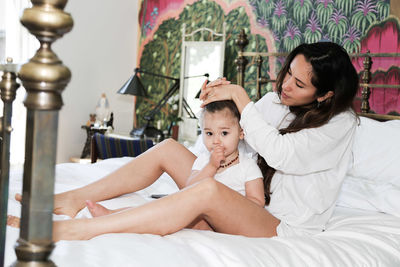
(324, 12)
(301, 10)
(346, 6)
(362, 19)
(290, 21)
(162, 54)
(383, 8)
(340, 21)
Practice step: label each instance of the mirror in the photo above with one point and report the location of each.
(199, 59)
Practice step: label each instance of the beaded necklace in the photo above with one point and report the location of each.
(229, 163)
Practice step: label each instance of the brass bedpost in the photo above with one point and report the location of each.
(44, 77)
(241, 61)
(8, 88)
(259, 62)
(366, 78)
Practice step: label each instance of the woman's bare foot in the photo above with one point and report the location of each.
(64, 204)
(13, 221)
(96, 209)
(18, 197)
(73, 229)
(62, 230)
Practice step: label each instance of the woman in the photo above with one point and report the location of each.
(309, 156)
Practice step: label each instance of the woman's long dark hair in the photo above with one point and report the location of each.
(332, 70)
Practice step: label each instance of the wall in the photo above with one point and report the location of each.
(2, 30)
(101, 53)
(395, 8)
(271, 25)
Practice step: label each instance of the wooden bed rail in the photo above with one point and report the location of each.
(241, 62)
(44, 77)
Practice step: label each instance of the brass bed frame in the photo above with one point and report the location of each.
(44, 77)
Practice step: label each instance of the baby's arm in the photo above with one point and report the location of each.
(255, 191)
(217, 155)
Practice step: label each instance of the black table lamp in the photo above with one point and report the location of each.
(133, 87)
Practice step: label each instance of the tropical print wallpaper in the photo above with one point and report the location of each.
(271, 26)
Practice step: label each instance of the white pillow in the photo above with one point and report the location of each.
(370, 195)
(373, 179)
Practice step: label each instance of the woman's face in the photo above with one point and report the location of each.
(297, 89)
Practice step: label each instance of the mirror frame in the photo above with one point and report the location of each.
(186, 46)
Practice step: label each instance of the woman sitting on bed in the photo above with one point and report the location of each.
(304, 132)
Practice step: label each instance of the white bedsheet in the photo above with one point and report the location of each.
(353, 238)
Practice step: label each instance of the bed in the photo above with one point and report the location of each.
(364, 230)
(354, 237)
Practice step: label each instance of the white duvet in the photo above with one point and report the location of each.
(353, 237)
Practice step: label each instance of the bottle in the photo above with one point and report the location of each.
(102, 111)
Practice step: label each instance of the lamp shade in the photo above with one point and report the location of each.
(133, 87)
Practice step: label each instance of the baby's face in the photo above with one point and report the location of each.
(221, 128)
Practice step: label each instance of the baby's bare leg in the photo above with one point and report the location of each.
(168, 156)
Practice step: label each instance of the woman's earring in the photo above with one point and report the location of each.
(318, 104)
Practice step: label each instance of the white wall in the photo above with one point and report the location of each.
(101, 53)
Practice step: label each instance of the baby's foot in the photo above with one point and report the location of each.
(13, 221)
(96, 209)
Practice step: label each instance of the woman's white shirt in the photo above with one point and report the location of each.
(310, 164)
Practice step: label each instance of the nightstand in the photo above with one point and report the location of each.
(90, 131)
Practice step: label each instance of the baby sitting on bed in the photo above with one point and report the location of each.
(221, 136)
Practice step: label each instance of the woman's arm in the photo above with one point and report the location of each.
(255, 191)
(222, 89)
(303, 152)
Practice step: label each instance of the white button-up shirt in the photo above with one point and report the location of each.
(310, 164)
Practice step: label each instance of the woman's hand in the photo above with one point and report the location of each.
(221, 89)
(208, 93)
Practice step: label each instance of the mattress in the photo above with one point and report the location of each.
(353, 237)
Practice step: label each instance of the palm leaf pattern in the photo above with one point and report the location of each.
(292, 37)
(352, 40)
(346, 6)
(279, 17)
(383, 9)
(301, 11)
(313, 31)
(333, 17)
(324, 11)
(364, 15)
(337, 26)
